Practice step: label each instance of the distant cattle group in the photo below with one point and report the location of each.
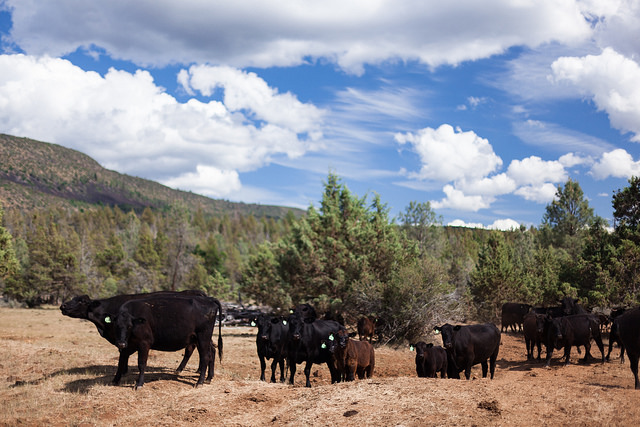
(170, 321)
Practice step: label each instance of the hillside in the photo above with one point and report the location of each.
(37, 174)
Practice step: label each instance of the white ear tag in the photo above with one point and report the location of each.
(411, 348)
(107, 319)
(331, 337)
(437, 332)
(323, 345)
(284, 322)
(253, 323)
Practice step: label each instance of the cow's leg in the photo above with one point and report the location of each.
(188, 351)
(335, 370)
(307, 372)
(549, 354)
(567, 353)
(274, 366)
(600, 346)
(621, 353)
(611, 341)
(263, 366)
(539, 345)
(292, 370)
(485, 368)
(204, 351)
(633, 362)
(143, 355)
(123, 365)
(587, 352)
(352, 365)
(282, 377)
(529, 345)
(492, 362)
(467, 371)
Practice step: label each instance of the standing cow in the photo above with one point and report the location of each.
(352, 357)
(101, 313)
(167, 324)
(533, 330)
(629, 330)
(309, 341)
(430, 360)
(513, 315)
(469, 345)
(271, 343)
(366, 328)
(575, 330)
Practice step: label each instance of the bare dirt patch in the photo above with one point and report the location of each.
(55, 370)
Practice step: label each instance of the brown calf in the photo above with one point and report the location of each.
(353, 357)
(366, 328)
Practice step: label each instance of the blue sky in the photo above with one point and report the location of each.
(480, 108)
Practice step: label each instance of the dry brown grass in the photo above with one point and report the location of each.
(55, 370)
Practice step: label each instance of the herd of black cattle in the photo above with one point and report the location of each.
(171, 321)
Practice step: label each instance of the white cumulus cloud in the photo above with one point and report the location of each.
(617, 163)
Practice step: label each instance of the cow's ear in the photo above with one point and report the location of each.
(457, 327)
(94, 304)
(430, 345)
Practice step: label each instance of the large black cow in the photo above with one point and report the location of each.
(271, 343)
(614, 335)
(101, 312)
(167, 323)
(513, 315)
(533, 330)
(574, 330)
(309, 341)
(629, 330)
(430, 360)
(469, 345)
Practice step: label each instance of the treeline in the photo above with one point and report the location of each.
(346, 256)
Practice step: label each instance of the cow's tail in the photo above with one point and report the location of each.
(219, 332)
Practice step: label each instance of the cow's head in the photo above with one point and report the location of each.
(124, 325)
(553, 331)
(420, 348)
(263, 323)
(448, 333)
(568, 305)
(78, 307)
(296, 323)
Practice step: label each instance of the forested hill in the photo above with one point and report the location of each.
(36, 174)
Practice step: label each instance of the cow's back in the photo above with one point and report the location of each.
(482, 341)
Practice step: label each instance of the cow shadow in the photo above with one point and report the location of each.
(103, 375)
(519, 365)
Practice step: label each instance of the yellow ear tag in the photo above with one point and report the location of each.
(107, 319)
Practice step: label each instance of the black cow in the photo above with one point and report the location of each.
(533, 330)
(614, 337)
(271, 343)
(469, 345)
(574, 330)
(570, 306)
(551, 311)
(629, 330)
(513, 315)
(366, 328)
(309, 341)
(430, 360)
(167, 323)
(102, 311)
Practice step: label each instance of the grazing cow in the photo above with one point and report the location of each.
(513, 315)
(573, 330)
(629, 330)
(167, 324)
(533, 330)
(271, 343)
(469, 345)
(309, 341)
(352, 357)
(101, 312)
(366, 328)
(614, 337)
(430, 360)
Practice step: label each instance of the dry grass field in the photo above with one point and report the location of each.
(55, 371)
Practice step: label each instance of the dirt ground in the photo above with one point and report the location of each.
(56, 371)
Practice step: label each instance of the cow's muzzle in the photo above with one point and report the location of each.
(122, 344)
